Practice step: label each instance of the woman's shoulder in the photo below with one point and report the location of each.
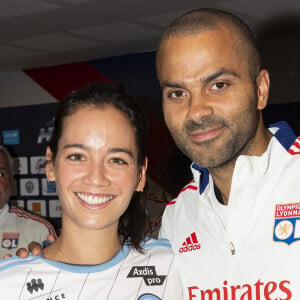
(153, 243)
(154, 247)
(15, 261)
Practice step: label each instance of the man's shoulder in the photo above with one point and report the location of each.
(186, 192)
(25, 215)
(26, 218)
(286, 137)
(294, 149)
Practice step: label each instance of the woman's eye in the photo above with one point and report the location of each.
(219, 85)
(177, 94)
(76, 156)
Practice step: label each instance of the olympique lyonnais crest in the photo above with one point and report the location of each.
(287, 223)
(10, 240)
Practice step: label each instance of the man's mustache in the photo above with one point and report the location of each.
(205, 123)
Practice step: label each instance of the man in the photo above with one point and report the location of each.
(234, 227)
(17, 227)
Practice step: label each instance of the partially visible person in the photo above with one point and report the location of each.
(97, 157)
(17, 226)
(235, 228)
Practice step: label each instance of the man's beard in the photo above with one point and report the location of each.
(217, 152)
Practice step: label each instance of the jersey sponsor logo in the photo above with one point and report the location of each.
(35, 285)
(190, 244)
(10, 240)
(148, 297)
(60, 296)
(259, 290)
(295, 148)
(148, 273)
(287, 223)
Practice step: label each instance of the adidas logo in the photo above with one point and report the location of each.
(190, 244)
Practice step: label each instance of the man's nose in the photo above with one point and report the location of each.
(199, 107)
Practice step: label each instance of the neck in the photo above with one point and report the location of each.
(222, 177)
(84, 246)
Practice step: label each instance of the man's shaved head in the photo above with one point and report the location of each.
(205, 19)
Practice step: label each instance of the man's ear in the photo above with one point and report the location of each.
(143, 176)
(49, 165)
(263, 89)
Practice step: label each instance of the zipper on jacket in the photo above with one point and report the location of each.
(232, 248)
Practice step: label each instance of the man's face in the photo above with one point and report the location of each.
(5, 180)
(209, 100)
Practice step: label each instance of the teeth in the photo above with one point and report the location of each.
(93, 200)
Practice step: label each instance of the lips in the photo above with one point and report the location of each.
(93, 199)
(201, 136)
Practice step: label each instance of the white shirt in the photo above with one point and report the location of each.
(129, 275)
(251, 250)
(18, 228)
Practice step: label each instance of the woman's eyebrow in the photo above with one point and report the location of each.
(80, 146)
(120, 149)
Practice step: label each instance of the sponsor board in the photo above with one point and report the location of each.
(29, 187)
(14, 188)
(48, 187)
(45, 133)
(20, 203)
(37, 206)
(37, 164)
(54, 209)
(11, 137)
(22, 165)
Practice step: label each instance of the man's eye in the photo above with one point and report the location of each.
(2, 174)
(219, 85)
(76, 156)
(176, 94)
(118, 161)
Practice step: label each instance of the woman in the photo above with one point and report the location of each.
(98, 160)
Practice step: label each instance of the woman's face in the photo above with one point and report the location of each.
(96, 170)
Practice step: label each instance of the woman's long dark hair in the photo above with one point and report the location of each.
(133, 223)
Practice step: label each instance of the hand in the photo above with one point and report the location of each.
(33, 247)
